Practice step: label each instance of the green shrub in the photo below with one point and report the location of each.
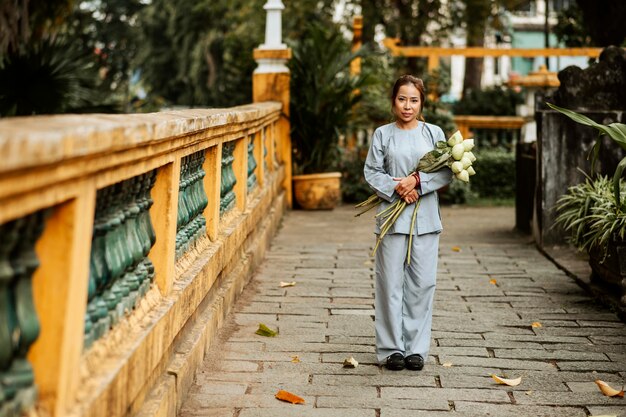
(494, 101)
(495, 174)
(354, 189)
(458, 192)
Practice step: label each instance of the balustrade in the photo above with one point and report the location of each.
(192, 200)
(120, 272)
(227, 193)
(19, 324)
(252, 178)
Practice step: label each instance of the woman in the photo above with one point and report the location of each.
(404, 292)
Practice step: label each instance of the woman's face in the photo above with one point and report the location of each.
(407, 104)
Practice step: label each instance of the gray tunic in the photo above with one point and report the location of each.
(395, 152)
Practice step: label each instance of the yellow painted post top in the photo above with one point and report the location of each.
(478, 52)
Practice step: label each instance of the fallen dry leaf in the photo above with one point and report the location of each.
(263, 330)
(456, 248)
(510, 382)
(493, 281)
(608, 390)
(284, 284)
(535, 324)
(350, 363)
(528, 392)
(447, 364)
(289, 397)
(295, 359)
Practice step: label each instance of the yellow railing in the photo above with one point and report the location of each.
(59, 163)
(466, 124)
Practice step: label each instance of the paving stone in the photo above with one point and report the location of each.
(450, 394)
(550, 354)
(305, 412)
(535, 382)
(399, 379)
(619, 411)
(566, 398)
(496, 410)
(591, 366)
(496, 363)
(380, 403)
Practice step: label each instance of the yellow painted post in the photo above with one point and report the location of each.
(355, 68)
(270, 82)
(164, 215)
(212, 186)
(433, 65)
(275, 87)
(240, 168)
(60, 297)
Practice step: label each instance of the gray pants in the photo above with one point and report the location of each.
(404, 294)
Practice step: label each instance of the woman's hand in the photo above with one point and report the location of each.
(411, 197)
(405, 185)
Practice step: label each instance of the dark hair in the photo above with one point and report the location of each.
(417, 83)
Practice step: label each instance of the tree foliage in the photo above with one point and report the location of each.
(592, 23)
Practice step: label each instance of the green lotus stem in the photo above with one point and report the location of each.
(386, 212)
(390, 219)
(369, 208)
(371, 199)
(398, 207)
(413, 217)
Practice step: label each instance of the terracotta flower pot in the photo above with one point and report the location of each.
(318, 191)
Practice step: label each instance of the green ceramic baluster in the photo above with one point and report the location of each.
(252, 180)
(8, 233)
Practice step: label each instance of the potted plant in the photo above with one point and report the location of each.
(323, 94)
(594, 212)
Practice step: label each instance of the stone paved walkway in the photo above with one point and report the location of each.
(488, 295)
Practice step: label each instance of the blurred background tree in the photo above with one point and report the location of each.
(587, 23)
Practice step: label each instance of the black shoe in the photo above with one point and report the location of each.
(395, 362)
(414, 362)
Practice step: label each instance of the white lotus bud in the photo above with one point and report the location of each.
(455, 139)
(468, 144)
(463, 176)
(466, 162)
(456, 167)
(471, 171)
(470, 156)
(457, 152)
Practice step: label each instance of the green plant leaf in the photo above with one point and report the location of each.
(616, 131)
(616, 177)
(266, 331)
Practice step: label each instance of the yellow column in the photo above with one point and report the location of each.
(274, 86)
(164, 215)
(60, 297)
(212, 186)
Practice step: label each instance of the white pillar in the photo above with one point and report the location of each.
(273, 40)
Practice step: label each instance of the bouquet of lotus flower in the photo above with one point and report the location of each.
(456, 154)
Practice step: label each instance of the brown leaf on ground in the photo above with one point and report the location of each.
(350, 363)
(493, 281)
(504, 381)
(447, 364)
(287, 284)
(289, 397)
(456, 248)
(535, 324)
(295, 359)
(608, 390)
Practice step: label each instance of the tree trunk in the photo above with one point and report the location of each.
(476, 14)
